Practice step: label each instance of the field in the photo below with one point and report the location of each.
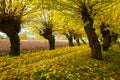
(29, 45)
(68, 63)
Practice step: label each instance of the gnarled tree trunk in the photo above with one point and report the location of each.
(47, 34)
(70, 40)
(50, 37)
(78, 42)
(76, 37)
(114, 37)
(51, 40)
(93, 43)
(15, 44)
(92, 37)
(106, 36)
(69, 36)
(106, 41)
(9, 29)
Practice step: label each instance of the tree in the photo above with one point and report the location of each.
(106, 36)
(48, 34)
(69, 35)
(78, 35)
(108, 21)
(73, 27)
(86, 10)
(71, 30)
(64, 24)
(11, 17)
(43, 24)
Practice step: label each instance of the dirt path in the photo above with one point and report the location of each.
(29, 45)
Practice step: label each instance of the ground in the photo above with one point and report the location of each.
(67, 63)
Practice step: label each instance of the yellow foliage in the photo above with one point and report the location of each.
(60, 64)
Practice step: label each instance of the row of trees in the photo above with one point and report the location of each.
(69, 17)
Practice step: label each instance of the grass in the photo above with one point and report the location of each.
(69, 63)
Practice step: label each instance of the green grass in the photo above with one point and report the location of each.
(69, 63)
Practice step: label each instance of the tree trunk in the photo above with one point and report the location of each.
(106, 42)
(11, 27)
(49, 36)
(93, 43)
(92, 37)
(51, 40)
(69, 36)
(106, 36)
(10, 31)
(114, 37)
(78, 42)
(76, 37)
(70, 39)
(15, 44)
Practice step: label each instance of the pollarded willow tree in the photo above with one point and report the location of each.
(11, 17)
(70, 36)
(47, 33)
(43, 22)
(79, 34)
(68, 30)
(72, 31)
(68, 26)
(86, 10)
(108, 21)
(44, 25)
